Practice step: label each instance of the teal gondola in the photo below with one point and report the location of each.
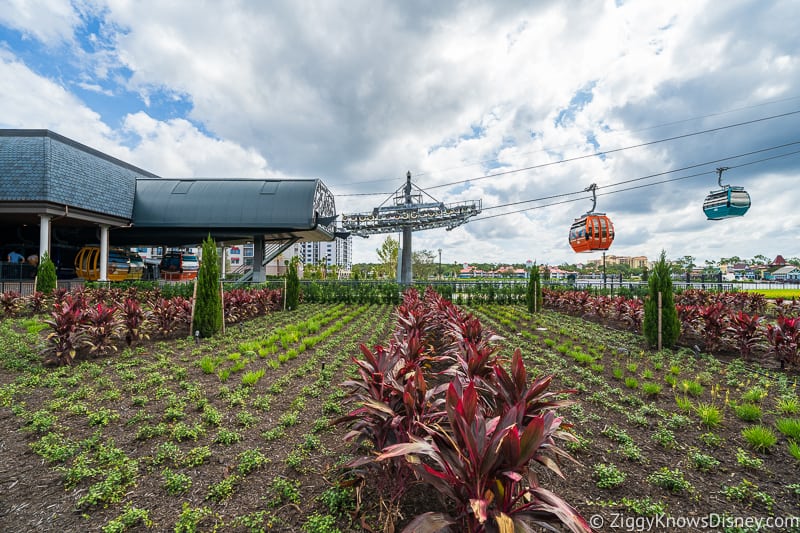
(727, 202)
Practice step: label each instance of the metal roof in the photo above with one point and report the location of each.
(230, 209)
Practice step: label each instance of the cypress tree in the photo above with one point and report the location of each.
(292, 285)
(208, 305)
(533, 295)
(661, 281)
(46, 275)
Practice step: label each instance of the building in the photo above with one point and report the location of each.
(638, 261)
(786, 273)
(338, 253)
(57, 195)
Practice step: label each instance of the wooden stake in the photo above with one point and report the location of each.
(194, 301)
(222, 301)
(659, 321)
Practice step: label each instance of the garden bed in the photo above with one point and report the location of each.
(186, 436)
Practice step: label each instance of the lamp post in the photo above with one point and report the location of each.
(440, 263)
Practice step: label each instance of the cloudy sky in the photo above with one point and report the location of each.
(503, 102)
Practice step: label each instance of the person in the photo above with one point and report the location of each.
(14, 257)
(33, 260)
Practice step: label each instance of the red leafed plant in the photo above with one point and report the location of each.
(36, 302)
(477, 451)
(634, 314)
(784, 337)
(171, 315)
(745, 330)
(482, 465)
(239, 305)
(689, 315)
(67, 334)
(11, 302)
(135, 321)
(102, 326)
(715, 324)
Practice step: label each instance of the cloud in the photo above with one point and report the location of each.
(49, 21)
(359, 92)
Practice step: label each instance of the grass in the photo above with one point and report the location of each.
(709, 414)
(749, 412)
(789, 427)
(760, 438)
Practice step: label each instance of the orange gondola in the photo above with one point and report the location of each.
(593, 231)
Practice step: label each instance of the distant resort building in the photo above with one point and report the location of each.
(638, 261)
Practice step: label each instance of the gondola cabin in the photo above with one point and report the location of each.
(591, 232)
(730, 201)
(87, 264)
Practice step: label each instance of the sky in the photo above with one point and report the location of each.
(506, 102)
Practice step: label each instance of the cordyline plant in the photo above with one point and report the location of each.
(101, 326)
(36, 302)
(784, 338)
(170, 315)
(134, 320)
(746, 332)
(11, 303)
(66, 335)
(715, 324)
(476, 452)
(483, 466)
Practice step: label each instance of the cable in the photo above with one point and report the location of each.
(656, 126)
(618, 191)
(656, 175)
(578, 158)
(596, 154)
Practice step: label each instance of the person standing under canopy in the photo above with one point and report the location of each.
(14, 257)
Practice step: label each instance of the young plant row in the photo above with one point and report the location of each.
(86, 398)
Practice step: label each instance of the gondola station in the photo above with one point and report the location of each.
(60, 196)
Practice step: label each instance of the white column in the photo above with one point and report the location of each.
(103, 252)
(44, 235)
(222, 268)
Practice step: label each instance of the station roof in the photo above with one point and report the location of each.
(232, 209)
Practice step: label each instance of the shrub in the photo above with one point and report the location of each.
(746, 332)
(784, 338)
(292, 285)
(661, 281)
(481, 466)
(533, 295)
(46, 280)
(134, 320)
(208, 304)
(102, 327)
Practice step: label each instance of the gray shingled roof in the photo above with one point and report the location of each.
(42, 166)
